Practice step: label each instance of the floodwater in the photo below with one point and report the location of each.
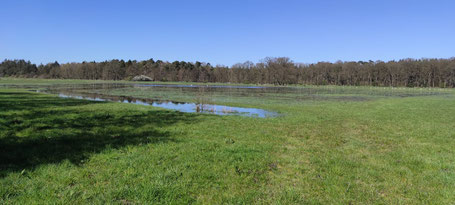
(80, 92)
(204, 98)
(180, 106)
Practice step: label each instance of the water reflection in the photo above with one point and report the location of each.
(180, 106)
(207, 96)
(338, 93)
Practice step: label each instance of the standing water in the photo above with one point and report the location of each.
(179, 106)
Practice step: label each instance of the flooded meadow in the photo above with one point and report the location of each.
(217, 99)
(190, 141)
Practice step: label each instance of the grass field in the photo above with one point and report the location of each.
(351, 146)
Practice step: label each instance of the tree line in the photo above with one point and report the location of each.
(278, 71)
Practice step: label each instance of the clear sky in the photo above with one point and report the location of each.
(226, 32)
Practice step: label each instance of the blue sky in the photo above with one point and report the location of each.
(226, 32)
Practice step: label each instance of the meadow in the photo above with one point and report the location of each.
(329, 145)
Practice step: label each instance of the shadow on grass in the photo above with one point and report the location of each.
(39, 129)
(18, 101)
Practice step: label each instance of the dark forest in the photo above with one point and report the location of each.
(277, 71)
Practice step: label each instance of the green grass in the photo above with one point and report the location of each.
(383, 150)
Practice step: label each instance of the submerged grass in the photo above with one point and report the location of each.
(385, 150)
